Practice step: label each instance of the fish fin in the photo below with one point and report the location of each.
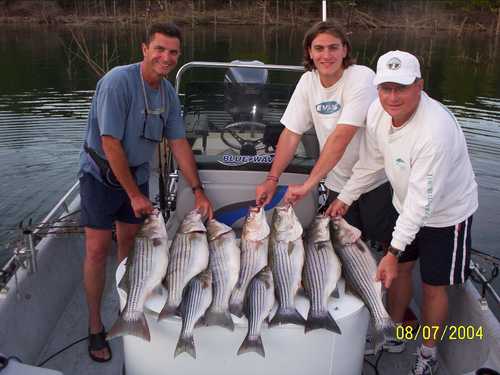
(335, 293)
(122, 327)
(287, 316)
(200, 323)
(320, 246)
(167, 311)
(361, 246)
(185, 345)
(219, 318)
(180, 310)
(123, 284)
(324, 321)
(302, 292)
(236, 309)
(236, 303)
(252, 344)
(290, 248)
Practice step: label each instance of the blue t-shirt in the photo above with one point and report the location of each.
(119, 110)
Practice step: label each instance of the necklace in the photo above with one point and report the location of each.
(146, 103)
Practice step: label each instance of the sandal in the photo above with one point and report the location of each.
(97, 342)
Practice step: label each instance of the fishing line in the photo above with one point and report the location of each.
(374, 366)
(62, 350)
(44, 225)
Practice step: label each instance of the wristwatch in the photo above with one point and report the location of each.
(197, 187)
(396, 252)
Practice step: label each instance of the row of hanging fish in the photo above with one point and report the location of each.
(208, 276)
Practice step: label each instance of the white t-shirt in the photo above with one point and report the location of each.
(346, 102)
(427, 164)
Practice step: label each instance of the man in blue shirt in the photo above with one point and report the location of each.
(133, 108)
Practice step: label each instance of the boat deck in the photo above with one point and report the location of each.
(73, 325)
(75, 360)
(392, 364)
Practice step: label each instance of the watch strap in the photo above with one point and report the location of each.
(396, 252)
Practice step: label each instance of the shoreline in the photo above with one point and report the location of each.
(419, 16)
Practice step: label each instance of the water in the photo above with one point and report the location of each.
(46, 91)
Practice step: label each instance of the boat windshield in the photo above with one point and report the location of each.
(232, 118)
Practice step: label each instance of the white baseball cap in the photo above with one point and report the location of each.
(398, 67)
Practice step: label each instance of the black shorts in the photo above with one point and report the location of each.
(373, 213)
(444, 253)
(102, 205)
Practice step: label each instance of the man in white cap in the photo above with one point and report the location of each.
(421, 147)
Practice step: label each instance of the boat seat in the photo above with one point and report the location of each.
(232, 192)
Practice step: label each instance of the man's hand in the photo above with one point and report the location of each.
(336, 209)
(141, 205)
(265, 192)
(202, 203)
(295, 193)
(387, 270)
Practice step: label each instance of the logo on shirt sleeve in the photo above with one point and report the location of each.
(327, 108)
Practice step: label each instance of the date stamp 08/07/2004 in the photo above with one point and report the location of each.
(435, 333)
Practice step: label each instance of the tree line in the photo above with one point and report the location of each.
(453, 15)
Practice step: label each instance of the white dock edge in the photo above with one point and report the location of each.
(288, 350)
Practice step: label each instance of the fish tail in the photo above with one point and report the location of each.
(388, 327)
(287, 316)
(252, 344)
(219, 318)
(167, 311)
(136, 327)
(384, 330)
(322, 320)
(185, 345)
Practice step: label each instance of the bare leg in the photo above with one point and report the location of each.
(400, 293)
(97, 244)
(434, 308)
(125, 235)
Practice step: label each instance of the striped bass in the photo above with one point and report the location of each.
(286, 257)
(259, 305)
(322, 271)
(360, 270)
(145, 268)
(194, 305)
(254, 243)
(224, 262)
(188, 257)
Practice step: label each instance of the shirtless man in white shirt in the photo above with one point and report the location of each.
(333, 95)
(420, 146)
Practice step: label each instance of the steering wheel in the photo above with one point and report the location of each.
(246, 146)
